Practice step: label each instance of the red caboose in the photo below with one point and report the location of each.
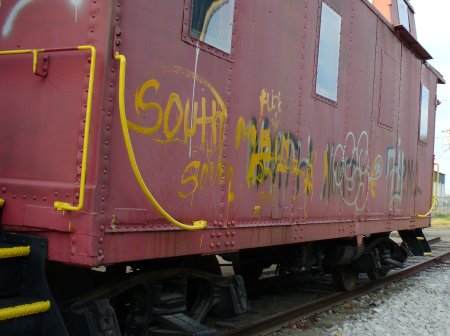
(151, 136)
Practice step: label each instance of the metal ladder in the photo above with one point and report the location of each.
(26, 304)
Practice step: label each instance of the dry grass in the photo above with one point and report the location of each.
(440, 220)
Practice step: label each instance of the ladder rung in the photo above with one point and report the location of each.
(24, 310)
(12, 252)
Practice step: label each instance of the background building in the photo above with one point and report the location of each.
(443, 207)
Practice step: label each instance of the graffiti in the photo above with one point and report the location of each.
(401, 175)
(375, 174)
(349, 172)
(280, 165)
(182, 121)
(209, 118)
(197, 176)
(270, 107)
(17, 8)
(275, 157)
(20, 5)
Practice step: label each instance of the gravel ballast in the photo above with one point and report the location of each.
(419, 305)
(416, 306)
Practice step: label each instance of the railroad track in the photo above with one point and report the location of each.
(326, 298)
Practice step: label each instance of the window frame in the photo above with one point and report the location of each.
(424, 142)
(399, 2)
(187, 37)
(316, 58)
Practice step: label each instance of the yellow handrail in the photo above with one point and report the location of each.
(196, 225)
(68, 206)
(434, 198)
(35, 52)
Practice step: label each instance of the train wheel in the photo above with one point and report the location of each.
(249, 270)
(160, 302)
(385, 255)
(344, 278)
(377, 274)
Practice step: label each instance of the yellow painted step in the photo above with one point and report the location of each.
(12, 252)
(24, 310)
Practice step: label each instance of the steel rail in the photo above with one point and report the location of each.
(278, 320)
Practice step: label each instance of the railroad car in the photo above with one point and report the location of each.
(142, 139)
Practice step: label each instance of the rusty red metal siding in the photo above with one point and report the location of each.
(43, 120)
(265, 160)
(425, 169)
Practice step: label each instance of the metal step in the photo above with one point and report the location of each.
(27, 306)
(19, 307)
(14, 252)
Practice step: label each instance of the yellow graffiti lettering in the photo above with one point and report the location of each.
(260, 159)
(263, 101)
(282, 153)
(209, 116)
(190, 129)
(142, 106)
(173, 99)
(308, 180)
(230, 184)
(207, 175)
(198, 175)
(190, 177)
(244, 133)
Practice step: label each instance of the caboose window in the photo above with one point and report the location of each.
(328, 58)
(403, 13)
(424, 102)
(212, 22)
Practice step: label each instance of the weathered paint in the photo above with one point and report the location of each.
(239, 140)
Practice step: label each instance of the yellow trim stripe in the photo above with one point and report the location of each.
(24, 310)
(2, 202)
(12, 252)
(197, 225)
(35, 53)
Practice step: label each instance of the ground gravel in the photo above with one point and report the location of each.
(415, 306)
(419, 305)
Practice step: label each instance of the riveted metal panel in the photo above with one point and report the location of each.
(241, 140)
(407, 162)
(426, 150)
(43, 118)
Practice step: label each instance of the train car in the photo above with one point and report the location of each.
(141, 139)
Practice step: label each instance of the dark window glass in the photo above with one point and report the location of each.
(212, 22)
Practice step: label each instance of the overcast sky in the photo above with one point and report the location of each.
(433, 32)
